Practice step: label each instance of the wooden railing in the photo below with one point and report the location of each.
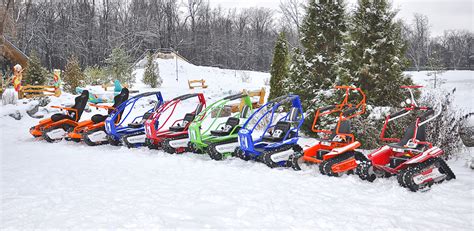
(197, 83)
(30, 91)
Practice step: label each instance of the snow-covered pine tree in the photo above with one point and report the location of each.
(151, 77)
(96, 75)
(296, 73)
(314, 71)
(119, 67)
(73, 76)
(375, 55)
(34, 74)
(279, 68)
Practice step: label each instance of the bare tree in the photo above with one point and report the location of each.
(292, 11)
(458, 44)
(6, 17)
(417, 35)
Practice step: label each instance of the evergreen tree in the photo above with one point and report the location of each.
(375, 55)
(151, 77)
(314, 69)
(119, 67)
(73, 76)
(279, 68)
(96, 75)
(34, 73)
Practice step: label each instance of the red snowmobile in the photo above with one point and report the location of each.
(415, 161)
(157, 133)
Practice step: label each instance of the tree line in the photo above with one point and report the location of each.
(90, 30)
(205, 35)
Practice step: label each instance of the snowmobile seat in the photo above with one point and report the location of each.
(344, 128)
(79, 104)
(230, 124)
(140, 123)
(282, 127)
(408, 135)
(188, 118)
(279, 132)
(118, 99)
(97, 118)
(59, 116)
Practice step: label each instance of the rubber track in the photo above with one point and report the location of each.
(412, 172)
(266, 157)
(166, 143)
(213, 153)
(326, 166)
(86, 139)
(128, 144)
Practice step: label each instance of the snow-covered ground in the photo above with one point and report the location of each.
(70, 185)
(463, 81)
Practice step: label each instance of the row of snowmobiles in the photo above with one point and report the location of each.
(268, 134)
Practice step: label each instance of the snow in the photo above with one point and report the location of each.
(463, 81)
(219, 81)
(67, 185)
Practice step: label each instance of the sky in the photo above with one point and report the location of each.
(442, 14)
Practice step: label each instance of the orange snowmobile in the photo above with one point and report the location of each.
(56, 127)
(96, 126)
(336, 149)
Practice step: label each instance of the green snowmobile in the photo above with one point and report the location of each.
(219, 139)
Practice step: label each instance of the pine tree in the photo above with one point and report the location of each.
(375, 55)
(34, 73)
(96, 75)
(119, 67)
(73, 76)
(279, 68)
(314, 69)
(151, 77)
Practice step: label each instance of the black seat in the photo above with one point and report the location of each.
(408, 135)
(79, 104)
(282, 127)
(344, 128)
(97, 118)
(230, 124)
(279, 132)
(59, 116)
(140, 123)
(188, 118)
(118, 99)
